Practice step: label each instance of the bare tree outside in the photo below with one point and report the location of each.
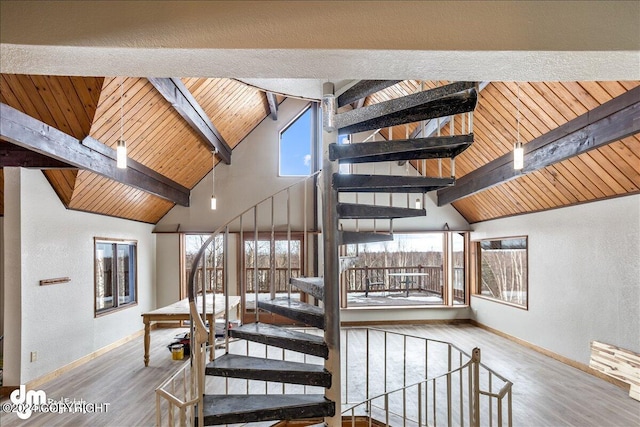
(504, 269)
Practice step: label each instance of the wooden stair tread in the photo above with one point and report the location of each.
(358, 237)
(244, 408)
(313, 286)
(295, 310)
(434, 147)
(352, 211)
(278, 336)
(256, 368)
(438, 102)
(364, 183)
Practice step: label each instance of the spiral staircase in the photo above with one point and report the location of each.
(448, 100)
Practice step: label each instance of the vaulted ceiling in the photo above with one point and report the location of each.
(157, 136)
(160, 139)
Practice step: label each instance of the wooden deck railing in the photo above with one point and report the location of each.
(353, 279)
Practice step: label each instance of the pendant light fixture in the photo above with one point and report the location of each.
(214, 202)
(518, 149)
(121, 148)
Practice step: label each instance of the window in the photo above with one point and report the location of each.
(214, 258)
(296, 146)
(502, 270)
(116, 275)
(286, 258)
(413, 269)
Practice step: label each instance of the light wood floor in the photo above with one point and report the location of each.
(546, 392)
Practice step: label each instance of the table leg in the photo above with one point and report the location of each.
(147, 339)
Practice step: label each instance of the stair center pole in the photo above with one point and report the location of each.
(330, 247)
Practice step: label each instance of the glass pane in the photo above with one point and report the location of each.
(126, 274)
(281, 250)
(104, 276)
(214, 258)
(406, 271)
(504, 269)
(458, 268)
(295, 147)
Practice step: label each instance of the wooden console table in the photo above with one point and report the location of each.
(179, 311)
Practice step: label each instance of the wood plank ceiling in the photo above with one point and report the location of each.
(609, 171)
(159, 138)
(156, 135)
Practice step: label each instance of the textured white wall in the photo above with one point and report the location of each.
(12, 275)
(58, 320)
(584, 277)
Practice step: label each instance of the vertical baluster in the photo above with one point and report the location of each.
(433, 396)
(225, 272)
(461, 391)
(385, 361)
(470, 122)
(386, 409)
(404, 361)
(367, 365)
(158, 410)
(449, 385)
(453, 167)
(439, 159)
(289, 242)
(490, 403)
(374, 193)
(266, 356)
(255, 259)
(509, 408)
(305, 259)
(407, 163)
(247, 353)
(283, 384)
(346, 371)
(499, 409)
(272, 251)
(243, 279)
(203, 285)
(419, 404)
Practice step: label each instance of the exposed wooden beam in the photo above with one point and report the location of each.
(174, 91)
(273, 104)
(362, 89)
(23, 130)
(610, 122)
(16, 156)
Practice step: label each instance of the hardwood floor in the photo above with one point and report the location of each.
(545, 392)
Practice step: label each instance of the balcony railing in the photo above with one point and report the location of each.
(429, 280)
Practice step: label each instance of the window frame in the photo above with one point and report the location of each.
(448, 297)
(133, 264)
(312, 137)
(476, 273)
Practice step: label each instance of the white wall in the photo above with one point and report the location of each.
(48, 241)
(584, 277)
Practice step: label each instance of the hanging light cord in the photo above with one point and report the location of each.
(121, 109)
(518, 138)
